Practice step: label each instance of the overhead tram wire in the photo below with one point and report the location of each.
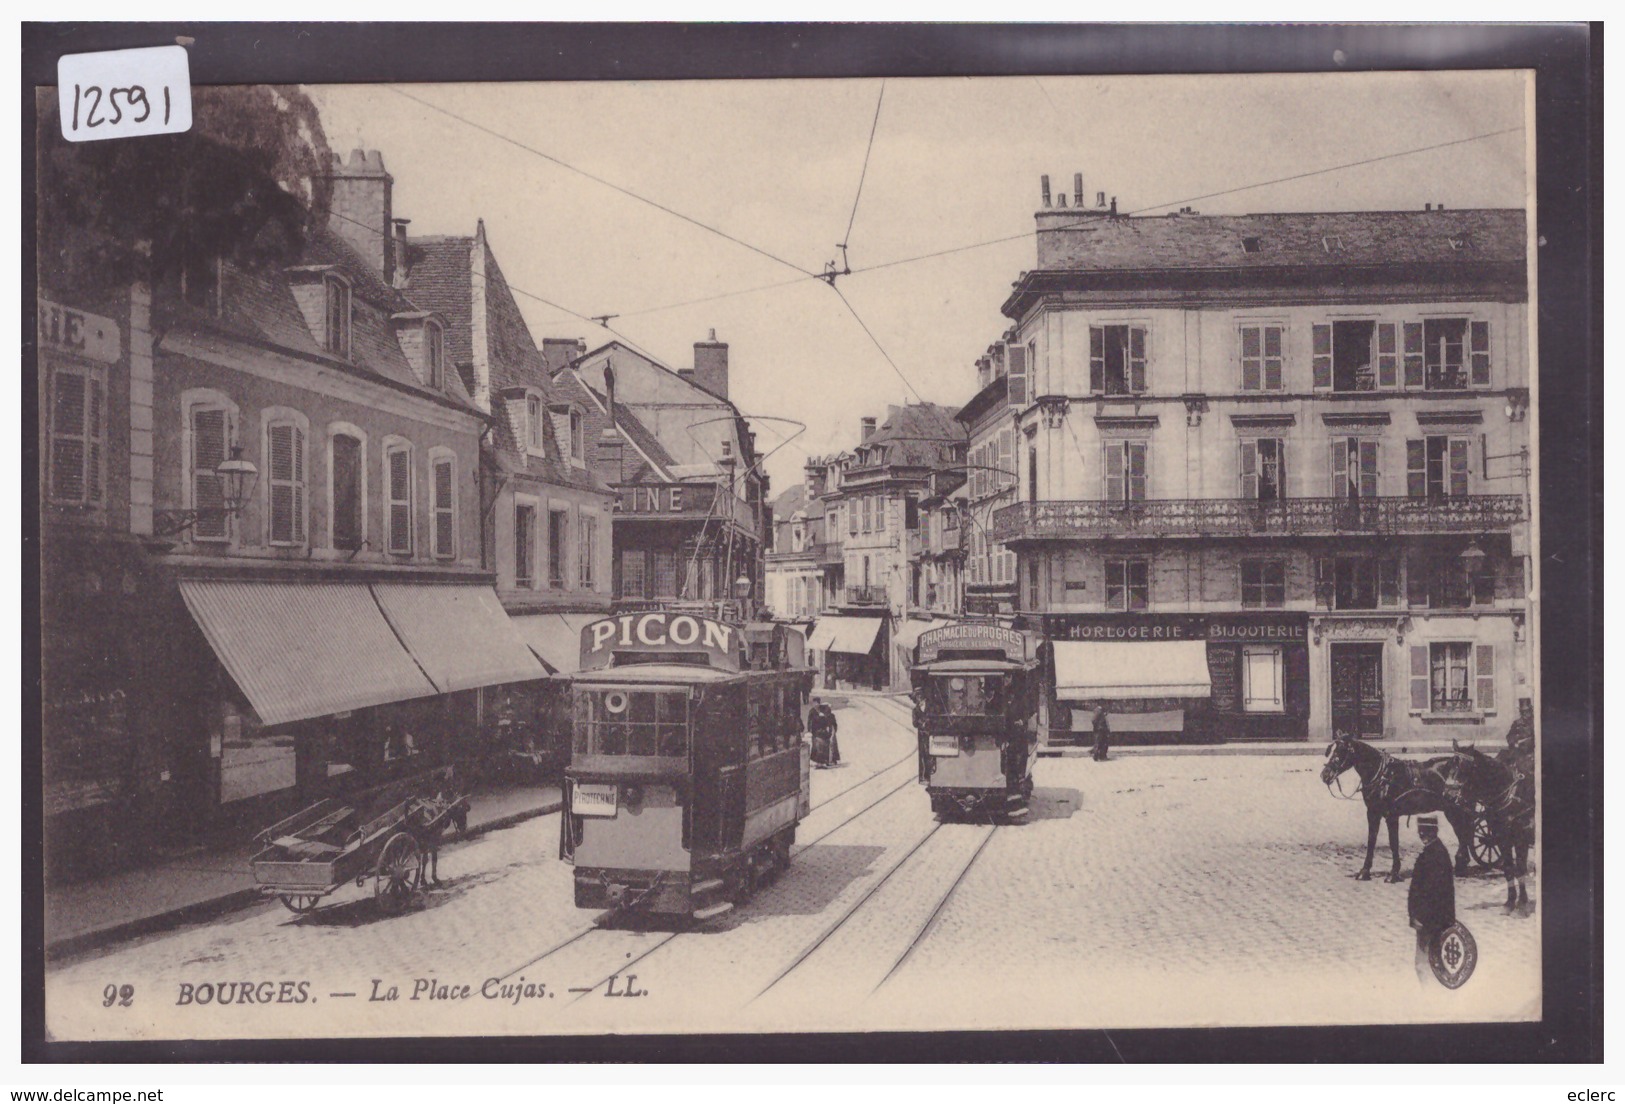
(859, 319)
(598, 179)
(873, 126)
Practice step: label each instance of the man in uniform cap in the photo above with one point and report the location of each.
(1433, 893)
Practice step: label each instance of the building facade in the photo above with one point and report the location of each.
(1286, 457)
(990, 484)
(794, 582)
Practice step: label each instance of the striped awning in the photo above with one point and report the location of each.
(459, 634)
(853, 635)
(1087, 670)
(300, 650)
(555, 638)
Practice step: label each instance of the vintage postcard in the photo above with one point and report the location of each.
(788, 555)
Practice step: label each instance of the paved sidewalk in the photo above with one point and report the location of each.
(193, 887)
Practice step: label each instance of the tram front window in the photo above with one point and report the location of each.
(967, 695)
(632, 722)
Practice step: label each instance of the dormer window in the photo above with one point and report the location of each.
(533, 424)
(578, 452)
(434, 349)
(1332, 243)
(1252, 245)
(336, 338)
(1460, 243)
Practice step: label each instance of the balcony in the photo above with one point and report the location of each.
(828, 553)
(865, 596)
(1244, 517)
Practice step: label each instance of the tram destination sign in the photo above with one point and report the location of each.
(971, 637)
(661, 631)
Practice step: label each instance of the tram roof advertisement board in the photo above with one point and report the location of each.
(662, 631)
(964, 637)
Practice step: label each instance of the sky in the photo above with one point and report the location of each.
(954, 162)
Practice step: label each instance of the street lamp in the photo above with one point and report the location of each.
(1472, 557)
(237, 478)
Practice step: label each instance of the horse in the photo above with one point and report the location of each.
(1507, 796)
(1394, 788)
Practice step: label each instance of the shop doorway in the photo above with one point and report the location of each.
(1357, 690)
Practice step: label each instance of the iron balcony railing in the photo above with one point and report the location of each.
(865, 596)
(1245, 517)
(828, 553)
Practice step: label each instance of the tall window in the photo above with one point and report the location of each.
(578, 451)
(211, 426)
(1128, 584)
(1116, 359)
(1357, 582)
(533, 423)
(634, 575)
(78, 434)
(1263, 584)
(588, 546)
(1449, 664)
(434, 343)
(1445, 354)
(557, 522)
(337, 313)
(1032, 472)
(1436, 467)
(1125, 471)
(1355, 355)
(398, 484)
(285, 482)
(349, 517)
(665, 573)
(1261, 358)
(445, 506)
(524, 545)
(1354, 468)
(1263, 469)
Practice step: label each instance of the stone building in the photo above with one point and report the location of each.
(1273, 469)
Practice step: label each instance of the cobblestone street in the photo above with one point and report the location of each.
(1150, 890)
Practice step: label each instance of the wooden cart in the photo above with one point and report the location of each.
(322, 848)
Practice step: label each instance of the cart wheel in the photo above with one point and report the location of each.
(397, 876)
(1483, 847)
(299, 903)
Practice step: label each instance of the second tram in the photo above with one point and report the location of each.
(688, 773)
(976, 696)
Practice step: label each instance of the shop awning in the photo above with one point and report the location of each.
(555, 638)
(460, 635)
(908, 633)
(853, 635)
(1093, 669)
(301, 650)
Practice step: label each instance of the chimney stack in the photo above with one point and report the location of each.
(1100, 199)
(866, 427)
(711, 365)
(361, 210)
(609, 391)
(1043, 183)
(1077, 189)
(398, 251)
(559, 351)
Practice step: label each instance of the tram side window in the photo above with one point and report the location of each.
(619, 722)
(968, 695)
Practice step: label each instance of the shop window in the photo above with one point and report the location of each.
(1128, 584)
(285, 481)
(1263, 584)
(1261, 679)
(524, 545)
(254, 760)
(1116, 360)
(1261, 357)
(349, 492)
(1436, 467)
(78, 429)
(1263, 469)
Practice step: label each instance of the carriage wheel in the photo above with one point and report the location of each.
(1486, 851)
(299, 903)
(397, 876)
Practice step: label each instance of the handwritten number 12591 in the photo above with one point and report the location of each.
(91, 100)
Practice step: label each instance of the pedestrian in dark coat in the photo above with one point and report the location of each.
(1432, 900)
(1103, 734)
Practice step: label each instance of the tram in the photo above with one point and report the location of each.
(688, 772)
(976, 697)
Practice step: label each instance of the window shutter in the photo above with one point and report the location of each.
(1480, 354)
(1016, 358)
(1419, 678)
(1112, 471)
(1280, 466)
(1387, 356)
(1134, 454)
(1388, 582)
(1097, 359)
(1458, 466)
(1485, 672)
(1368, 469)
(1136, 358)
(68, 426)
(400, 501)
(1273, 361)
(208, 453)
(298, 445)
(1007, 457)
(851, 517)
(1414, 375)
(1322, 358)
(1340, 468)
(444, 519)
(1251, 359)
(1416, 468)
(1249, 469)
(93, 440)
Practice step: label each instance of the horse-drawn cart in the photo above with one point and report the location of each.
(328, 845)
